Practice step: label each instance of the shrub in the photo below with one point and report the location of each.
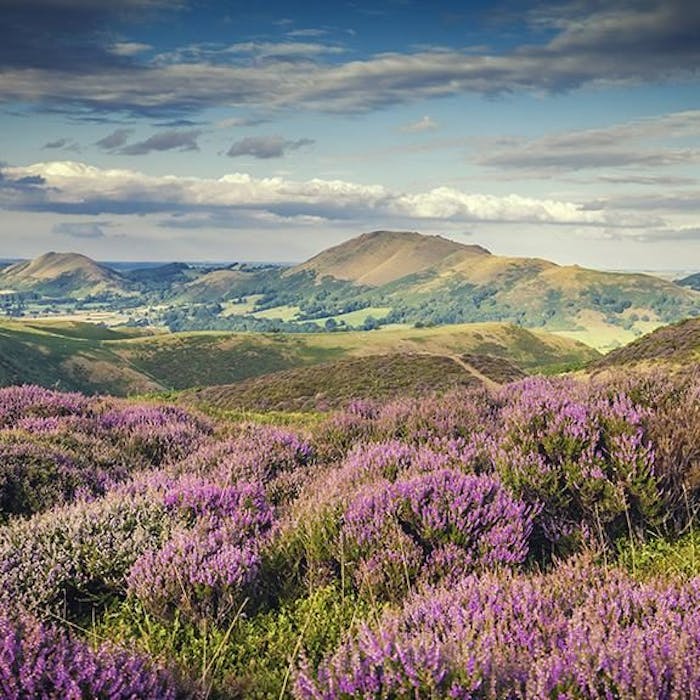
(211, 563)
(583, 455)
(444, 522)
(76, 557)
(573, 633)
(42, 662)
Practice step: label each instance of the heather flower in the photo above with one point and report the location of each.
(42, 662)
(211, 563)
(77, 556)
(435, 522)
(582, 453)
(578, 632)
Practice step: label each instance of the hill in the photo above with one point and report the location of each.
(69, 356)
(95, 359)
(378, 377)
(377, 258)
(417, 279)
(63, 274)
(675, 345)
(692, 281)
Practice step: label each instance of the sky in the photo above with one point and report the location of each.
(228, 130)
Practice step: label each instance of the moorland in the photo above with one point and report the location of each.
(396, 479)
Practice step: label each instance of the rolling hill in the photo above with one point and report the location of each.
(378, 258)
(378, 377)
(95, 359)
(677, 344)
(63, 274)
(691, 281)
(392, 277)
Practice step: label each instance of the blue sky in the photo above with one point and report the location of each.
(192, 130)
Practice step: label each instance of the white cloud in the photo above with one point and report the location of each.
(75, 187)
(128, 48)
(425, 124)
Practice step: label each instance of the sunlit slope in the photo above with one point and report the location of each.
(96, 359)
(63, 274)
(378, 377)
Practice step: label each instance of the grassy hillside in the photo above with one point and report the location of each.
(676, 344)
(63, 274)
(692, 281)
(96, 359)
(380, 257)
(67, 356)
(334, 384)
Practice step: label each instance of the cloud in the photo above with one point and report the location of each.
(310, 32)
(77, 188)
(59, 143)
(629, 144)
(266, 146)
(114, 140)
(283, 49)
(621, 42)
(424, 124)
(70, 35)
(164, 141)
(128, 48)
(88, 229)
(236, 122)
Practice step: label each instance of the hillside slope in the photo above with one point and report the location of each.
(432, 280)
(380, 257)
(95, 359)
(63, 274)
(675, 344)
(378, 377)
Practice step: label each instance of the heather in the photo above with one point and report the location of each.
(41, 661)
(532, 541)
(57, 447)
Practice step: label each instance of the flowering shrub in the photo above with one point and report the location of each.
(580, 453)
(55, 447)
(41, 662)
(275, 457)
(444, 521)
(210, 564)
(577, 632)
(20, 402)
(71, 558)
(457, 415)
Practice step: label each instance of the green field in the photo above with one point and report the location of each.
(91, 358)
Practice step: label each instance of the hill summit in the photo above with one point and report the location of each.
(62, 274)
(380, 257)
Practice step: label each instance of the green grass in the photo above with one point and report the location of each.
(253, 656)
(659, 556)
(90, 358)
(379, 377)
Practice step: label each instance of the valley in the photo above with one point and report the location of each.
(381, 279)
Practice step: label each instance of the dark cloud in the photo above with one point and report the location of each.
(87, 229)
(266, 146)
(58, 143)
(164, 141)
(70, 35)
(114, 140)
(619, 42)
(621, 145)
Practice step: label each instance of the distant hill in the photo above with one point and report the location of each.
(380, 257)
(382, 278)
(378, 377)
(692, 281)
(63, 274)
(121, 361)
(675, 344)
(432, 280)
